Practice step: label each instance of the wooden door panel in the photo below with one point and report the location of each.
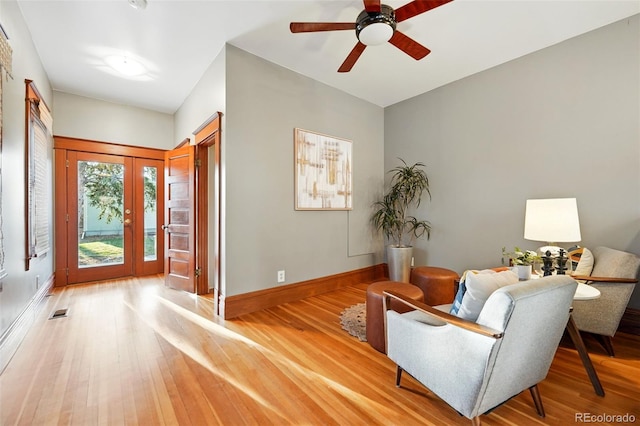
(180, 256)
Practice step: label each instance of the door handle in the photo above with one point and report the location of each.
(127, 221)
(164, 227)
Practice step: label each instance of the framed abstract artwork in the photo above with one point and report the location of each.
(323, 171)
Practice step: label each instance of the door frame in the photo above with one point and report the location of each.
(208, 137)
(61, 147)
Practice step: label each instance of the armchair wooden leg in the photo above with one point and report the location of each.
(574, 333)
(398, 375)
(537, 400)
(606, 343)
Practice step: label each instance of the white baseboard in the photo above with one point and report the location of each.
(11, 339)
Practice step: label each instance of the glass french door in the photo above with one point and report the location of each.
(149, 216)
(113, 213)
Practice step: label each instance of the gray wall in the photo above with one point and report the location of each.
(19, 287)
(561, 122)
(207, 97)
(86, 118)
(264, 233)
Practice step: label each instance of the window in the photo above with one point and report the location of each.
(39, 143)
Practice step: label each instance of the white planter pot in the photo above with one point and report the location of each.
(523, 272)
(399, 262)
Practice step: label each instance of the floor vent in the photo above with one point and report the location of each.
(60, 313)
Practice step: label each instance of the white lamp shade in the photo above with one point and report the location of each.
(552, 220)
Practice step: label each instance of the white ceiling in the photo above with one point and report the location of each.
(177, 40)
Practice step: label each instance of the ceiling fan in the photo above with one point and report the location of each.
(376, 24)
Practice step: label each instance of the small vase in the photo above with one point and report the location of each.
(523, 272)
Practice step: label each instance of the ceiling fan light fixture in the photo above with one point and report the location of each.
(374, 34)
(376, 24)
(373, 28)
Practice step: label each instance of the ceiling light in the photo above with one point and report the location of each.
(375, 34)
(374, 28)
(125, 65)
(138, 4)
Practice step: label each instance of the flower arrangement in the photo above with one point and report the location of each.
(521, 257)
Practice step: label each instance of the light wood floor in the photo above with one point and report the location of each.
(133, 352)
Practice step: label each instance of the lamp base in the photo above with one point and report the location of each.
(554, 250)
(554, 256)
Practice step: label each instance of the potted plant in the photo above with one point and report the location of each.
(391, 216)
(522, 261)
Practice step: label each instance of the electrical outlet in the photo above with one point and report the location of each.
(37, 282)
(412, 263)
(280, 276)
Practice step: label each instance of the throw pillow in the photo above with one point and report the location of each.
(462, 288)
(574, 254)
(585, 265)
(457, 302)
(479, 287)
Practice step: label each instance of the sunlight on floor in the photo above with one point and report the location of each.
(183, 345)
(218, 330)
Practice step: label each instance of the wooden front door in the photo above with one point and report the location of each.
(179, 221)
(109, 206)
(100, 206)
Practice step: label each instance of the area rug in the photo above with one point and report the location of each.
(353, 320)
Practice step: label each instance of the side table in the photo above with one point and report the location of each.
(585, 292)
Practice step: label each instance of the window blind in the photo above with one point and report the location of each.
(40, 180)
(39, 146)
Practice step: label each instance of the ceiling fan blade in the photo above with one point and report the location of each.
(309, 27)
(372, 5)
(352, 58)
(417, 7)
(409, 45)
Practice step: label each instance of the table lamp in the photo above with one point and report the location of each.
(552, 220)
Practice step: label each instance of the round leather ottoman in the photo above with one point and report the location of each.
(375, 314)
(437, 284)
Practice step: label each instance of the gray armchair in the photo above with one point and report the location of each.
(615, 274)
(475, 367)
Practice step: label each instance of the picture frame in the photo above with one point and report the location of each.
(323, 171)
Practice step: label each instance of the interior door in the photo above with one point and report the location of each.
(100, 218)
(179, 221)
